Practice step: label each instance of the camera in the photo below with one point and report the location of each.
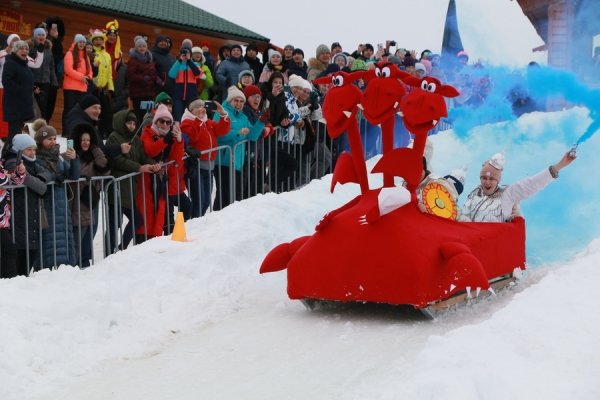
(392, 42)
(184, 51)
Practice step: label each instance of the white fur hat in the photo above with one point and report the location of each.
(296, 81)
(233, 92)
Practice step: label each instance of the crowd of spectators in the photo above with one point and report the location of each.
(153, 127)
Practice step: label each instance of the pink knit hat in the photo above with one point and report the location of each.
(162, 112)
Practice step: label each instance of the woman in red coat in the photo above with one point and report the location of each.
(202, 133)
(163, 142)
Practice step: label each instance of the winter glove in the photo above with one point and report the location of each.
(40, 47)
(265, 116)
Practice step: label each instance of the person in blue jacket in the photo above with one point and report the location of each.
(185, 73)
(242, 130)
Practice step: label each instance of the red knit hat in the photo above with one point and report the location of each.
(251, 90)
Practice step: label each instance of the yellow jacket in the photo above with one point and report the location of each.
(104, 78)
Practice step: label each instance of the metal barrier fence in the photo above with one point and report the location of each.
(103, 202)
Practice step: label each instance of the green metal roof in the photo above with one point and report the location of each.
(174, 12)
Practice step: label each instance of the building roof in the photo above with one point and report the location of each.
(175, 12)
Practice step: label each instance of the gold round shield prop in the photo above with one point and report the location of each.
(438, 201)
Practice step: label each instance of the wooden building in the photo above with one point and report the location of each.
(174, 18)
(567, 27)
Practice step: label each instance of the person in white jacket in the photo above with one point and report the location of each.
(490, 202)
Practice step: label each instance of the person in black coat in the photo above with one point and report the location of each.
(29, 216)
(297, 65)
(83, 117)
(161, 53)
(17, 79)
(251, 58)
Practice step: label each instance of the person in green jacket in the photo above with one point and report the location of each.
(205, 80)
(123, 201)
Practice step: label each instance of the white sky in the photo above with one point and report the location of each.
(413, 24)
(195, 320)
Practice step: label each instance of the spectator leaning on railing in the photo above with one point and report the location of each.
(57, 240)
(27, 217)
(8, 256)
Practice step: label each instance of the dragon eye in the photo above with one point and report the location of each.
(385, 71)
(424, 85)
(377, 72)
(431, 87)
(338, 80)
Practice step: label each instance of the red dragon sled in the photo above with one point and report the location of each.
(380, 247)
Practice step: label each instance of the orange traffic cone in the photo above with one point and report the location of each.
(179, 229)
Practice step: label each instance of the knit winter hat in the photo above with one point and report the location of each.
(12, 37)
(196, 49)
(244, 73)
(288, 46)
(273, 52)
(79, 38)
(88, 100)
(235, 46)
(322, 48)
(251, 90)
(296, 81)
(306, 85)
(39, 31)
(21, 44)
(163, 98)
(233, 92)
(187, 43)
(298, 51)
(462, 53)
(140, 41)
(162, 112)
(340, 55)
(44, 132)
(22, 141)
(493, 167)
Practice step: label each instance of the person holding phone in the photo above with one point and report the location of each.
(27, 217)
(185, 73)
(163, 142)
(58, 245)
(8, 256)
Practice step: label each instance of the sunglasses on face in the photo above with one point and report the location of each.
(164, 121)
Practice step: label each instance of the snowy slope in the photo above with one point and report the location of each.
(196, 320)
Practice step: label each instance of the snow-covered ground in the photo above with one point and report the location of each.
(195, 320)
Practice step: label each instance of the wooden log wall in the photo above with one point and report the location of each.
(81, 21)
